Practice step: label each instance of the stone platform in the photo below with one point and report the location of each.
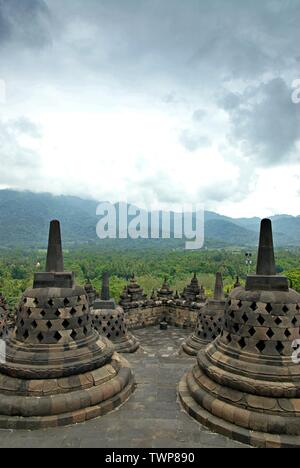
(151, 418)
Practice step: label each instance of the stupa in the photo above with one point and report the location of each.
(237, 283)
(246, 384)
(4, 317)
(202, 296)
(210, 321)
(58, 370)
(90, 292)
(192, 291)
(133, 294)
(165, 293)
(109, 320)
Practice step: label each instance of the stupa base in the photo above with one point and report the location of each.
(188, 390)
(66, 401)
(128, 345)
(193, 345)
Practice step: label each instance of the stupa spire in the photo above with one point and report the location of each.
(55, 260)
(105, 293)
(266, 258)
(219, 292)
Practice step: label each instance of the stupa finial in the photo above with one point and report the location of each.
(266, 258)
(55, 260)
(219, 292)
(105, 293)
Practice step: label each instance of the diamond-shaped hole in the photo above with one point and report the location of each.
(25, 334)
(242, 343)
(269, 308)
(80, 321)
(278, 321)
(279, 347)
(270, 333)
(253, 306)
(260, 320)
(240, 304)
(287, 333)
(285, 309)
(252, 331)
(236, 327)
(73, 335)
(40, 337)
(51, 302)
(228, 338)
(66, 324)
(43, 313)
(73, 311)
(57, 336)
(66, 302)
(245, 318)
(49, 325)
(260, 346)
(294, 321)
(34, 324)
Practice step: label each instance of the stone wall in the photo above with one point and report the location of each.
(178, 316)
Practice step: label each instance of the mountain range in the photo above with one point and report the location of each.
(25, 219)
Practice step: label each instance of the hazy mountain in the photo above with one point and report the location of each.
(25, 218)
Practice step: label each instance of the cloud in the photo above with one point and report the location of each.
(265, 122)
(20, 164)
(168, 99)
(26, 22)
(192, 141)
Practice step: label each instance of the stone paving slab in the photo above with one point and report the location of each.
(151, 418)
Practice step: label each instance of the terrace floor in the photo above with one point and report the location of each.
(151, 418)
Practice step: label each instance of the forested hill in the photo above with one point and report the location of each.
(25, 218)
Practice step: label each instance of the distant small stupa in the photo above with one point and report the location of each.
(210, 321)
(110, 321)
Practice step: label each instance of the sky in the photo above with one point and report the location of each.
(153, 101)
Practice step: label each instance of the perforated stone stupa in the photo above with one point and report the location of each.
(210, 321)
(109, 320)
(58, 369)
(246, 384)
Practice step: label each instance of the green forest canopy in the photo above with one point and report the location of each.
(17, 267)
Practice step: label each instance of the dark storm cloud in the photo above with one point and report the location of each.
(265, 122)
(25, 22)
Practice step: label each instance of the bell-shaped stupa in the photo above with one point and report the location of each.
(133, 294)
(210, 321)
(90, 292)
(165, 293)
(246, 384)
(192, 290)
(109, 320)
(57, 369)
